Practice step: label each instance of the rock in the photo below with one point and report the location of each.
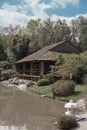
(81, 104)
(16, 80)
(29, 83)
(22, 87)
(25, 81)
(11, 85)
(43, 95)
(56, 123)
(21, 81)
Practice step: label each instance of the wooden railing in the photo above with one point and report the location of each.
(29, 77)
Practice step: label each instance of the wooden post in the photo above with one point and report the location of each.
(31, 68)
(24, 68)
(42, 69)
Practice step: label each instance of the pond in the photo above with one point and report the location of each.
(23, 110)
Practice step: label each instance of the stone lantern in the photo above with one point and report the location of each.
(70, 106)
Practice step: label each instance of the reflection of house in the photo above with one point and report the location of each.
(37, 64)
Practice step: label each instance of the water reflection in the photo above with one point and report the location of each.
(20, 110)
(13, 128)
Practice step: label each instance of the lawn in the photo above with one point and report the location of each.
(47, 90)
(78, 94)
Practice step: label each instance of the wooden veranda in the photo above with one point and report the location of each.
(29, 77)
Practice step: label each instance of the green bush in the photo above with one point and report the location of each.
(5, 64)
(1, 69)
(50, 77)
(43, 82)
(73, 67)
(85, 79)
(67, 122)
(8, 73)
(64, 87)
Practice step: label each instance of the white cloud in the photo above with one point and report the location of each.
(37, 8)
(32, 9)
(14, 18)
(68, 19)
(21, 14)
(64, 3)
(8, 7)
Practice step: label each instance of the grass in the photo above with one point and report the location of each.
(78, 94)
(47, 90)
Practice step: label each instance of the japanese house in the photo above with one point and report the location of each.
(34, 66)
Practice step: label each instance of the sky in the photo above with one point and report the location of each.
(19, 12)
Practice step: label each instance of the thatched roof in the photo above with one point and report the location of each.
(49, 53)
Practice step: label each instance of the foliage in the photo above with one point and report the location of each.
(2, 49)
(20, 46)
(34, 32)
(59, 60)
(43, 82)
(67, 122)
(50, 77)
(6, 74)
(47, 90)
(85, 79)
(1, 69)
(85, 82)
(17, 42)
(5, 64)
(64, 87)
(79, 32)
(78, 93)
(73, 67)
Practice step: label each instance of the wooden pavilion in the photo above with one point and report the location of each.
(34, 66)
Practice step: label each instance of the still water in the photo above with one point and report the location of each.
(23, 110)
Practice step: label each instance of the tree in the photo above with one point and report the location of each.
(33, 31)
(82, 22)
(73, 67)
(20, 46)
(61, 31)
(47, 33)
(79, 32)
(74, 31)
(2, 49)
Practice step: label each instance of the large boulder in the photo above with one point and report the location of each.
(22, 87)
(16, 80)
(21, 81)
(82, 104)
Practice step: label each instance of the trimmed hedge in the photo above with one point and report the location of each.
(67, 122)
(64, 87)
(43, 82)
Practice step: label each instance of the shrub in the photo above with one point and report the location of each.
(50, 77)
(5, 64)
(8, 73)
(73, 68)
(85, 79)
(43, 82)
(1, 69)
(64, 87)
(67, 122)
